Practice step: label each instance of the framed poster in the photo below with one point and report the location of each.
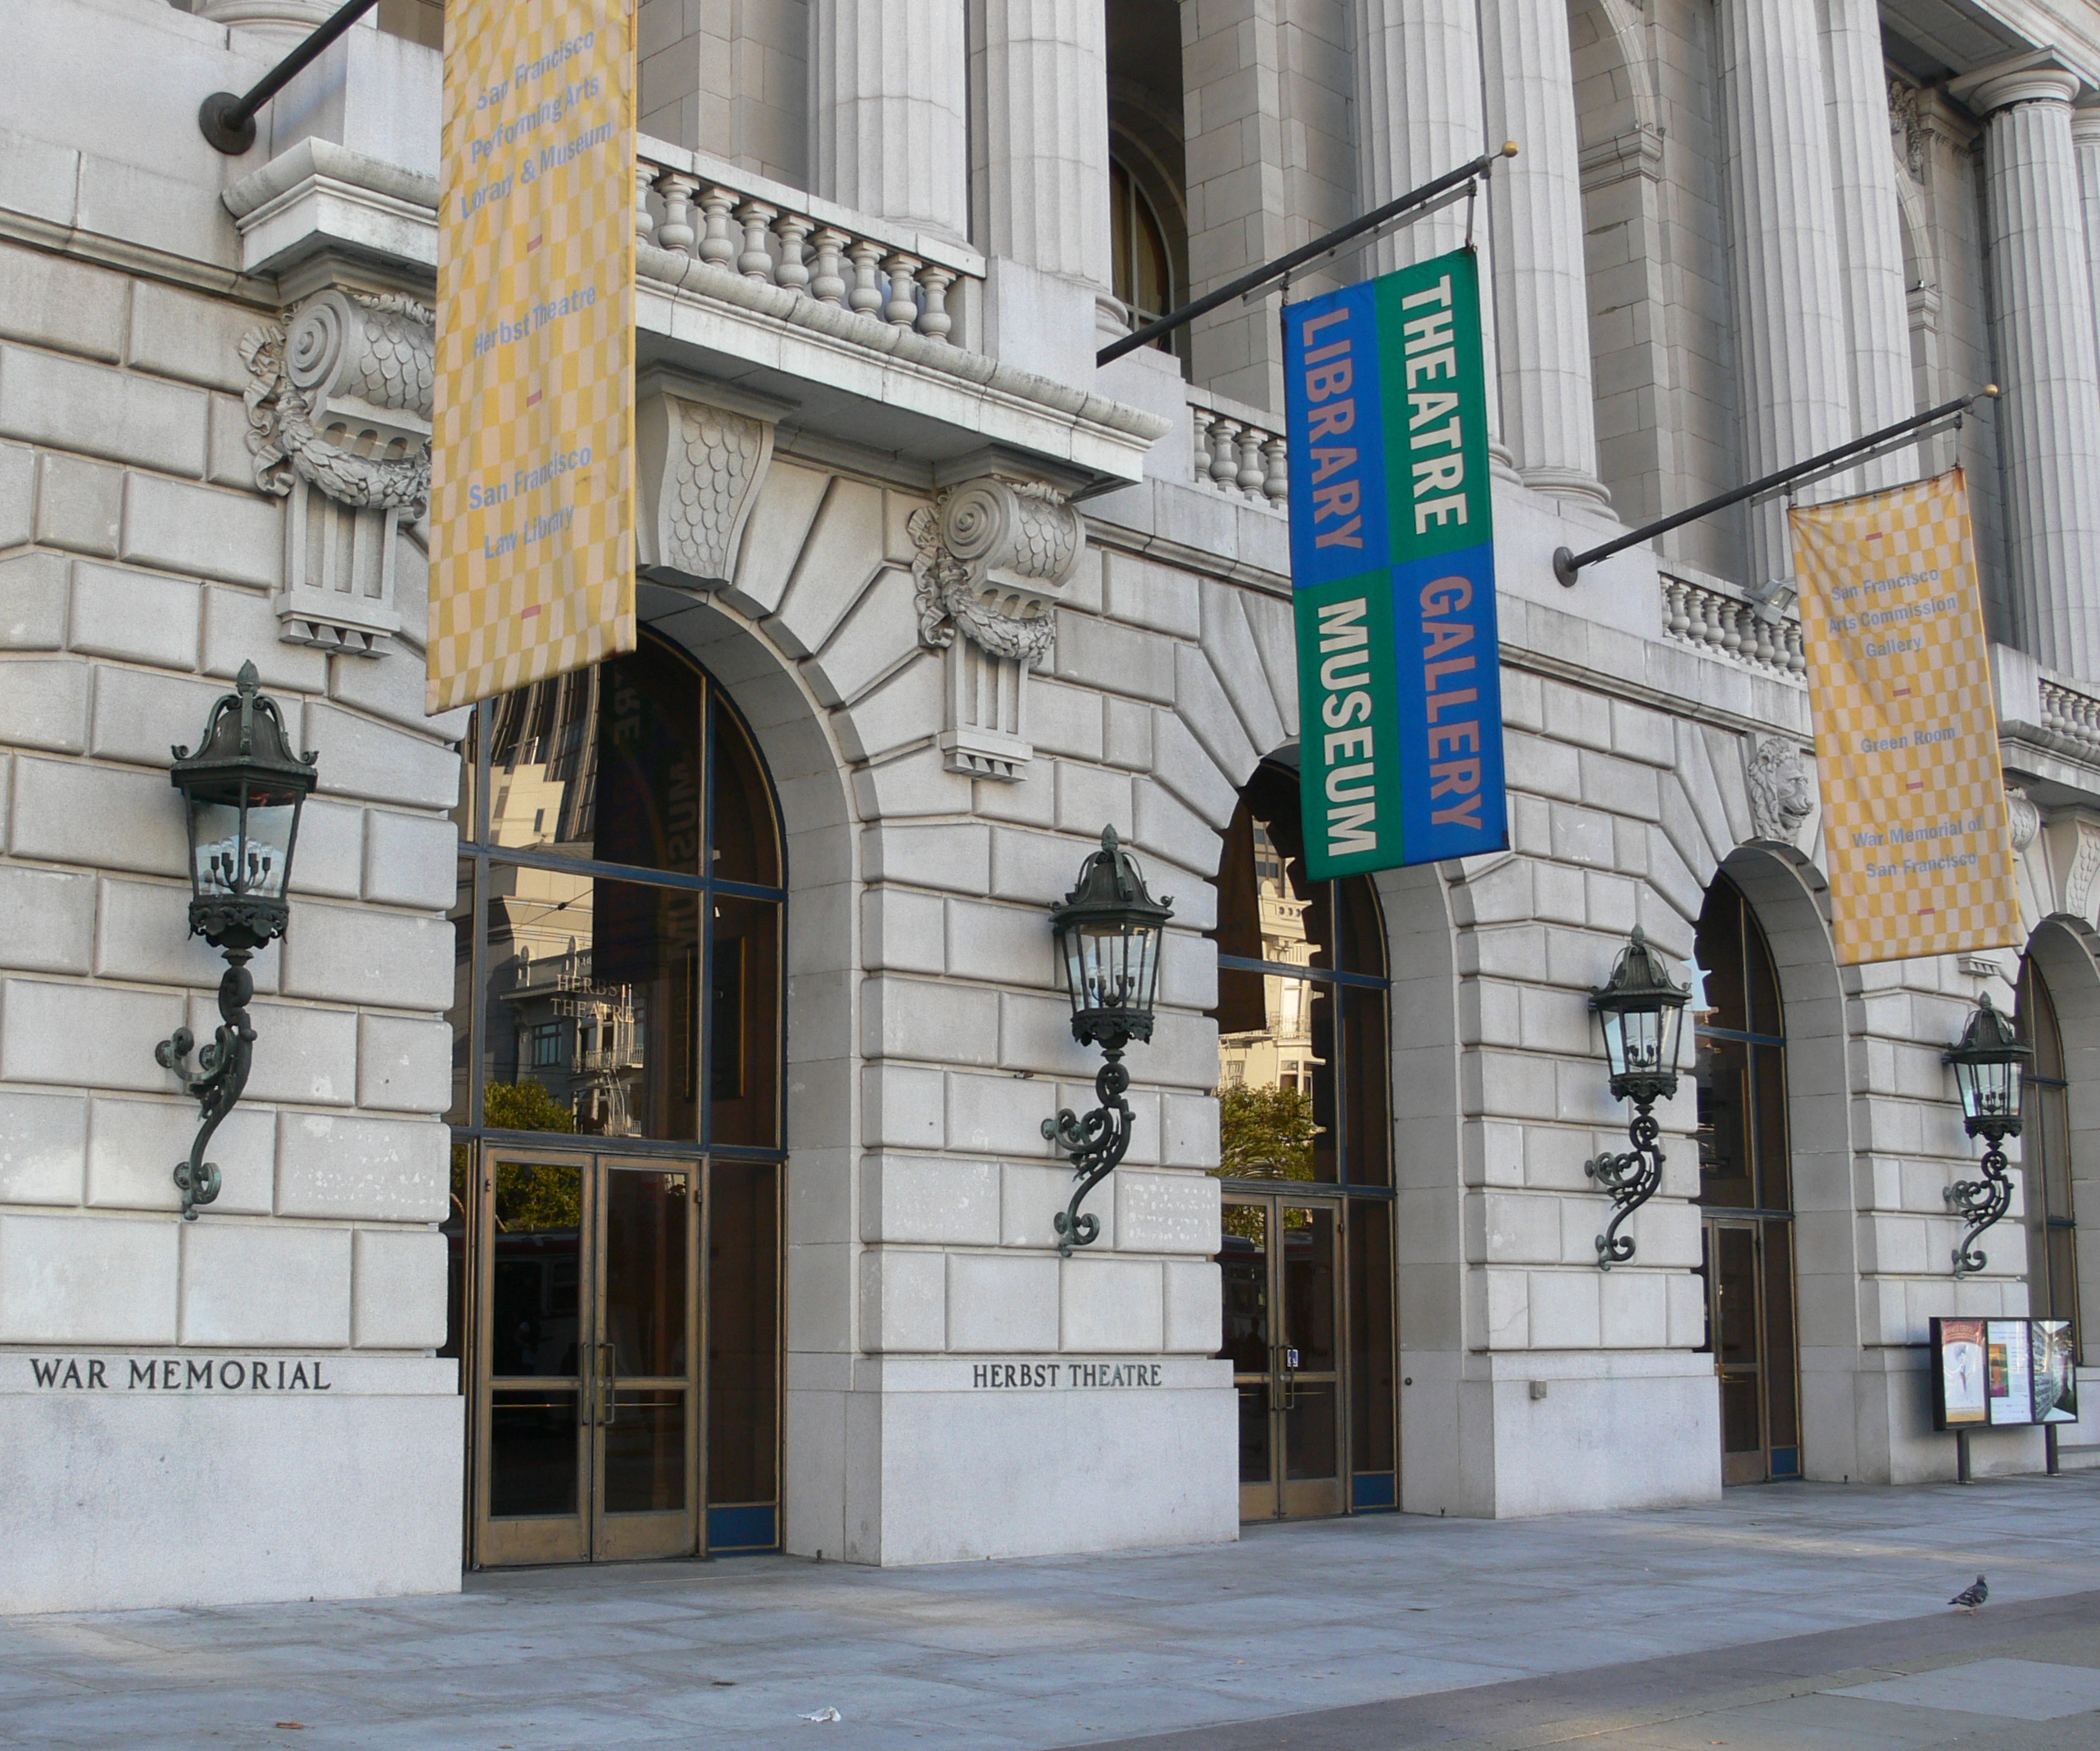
(1958, 1397)
(2056, 1372)
(2003, 1373)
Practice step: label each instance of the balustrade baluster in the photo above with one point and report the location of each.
(793, 273)
(1251, 473)
(717, 248)
(645, 220)
(828, 286)
(934, 320)
(866, 297)
(1676, 620)
(1276, 481)
(676, 230)
(1224, 451)
(1200, 452)
(902, 311)
(757, 260)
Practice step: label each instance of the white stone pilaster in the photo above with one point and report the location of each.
(1418, 114)
(1869, 231)
(1793, 377)
(2049, 417)
(1542, 298)
(891, 121)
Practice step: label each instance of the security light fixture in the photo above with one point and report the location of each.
(1990, 1071)
(1108, 931)
(1642, 1009)
(242, 790)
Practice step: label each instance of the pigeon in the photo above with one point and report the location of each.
(1969, 1597)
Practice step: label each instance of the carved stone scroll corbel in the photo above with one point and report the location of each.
(339, 411)
(700, 468)
(994, 556)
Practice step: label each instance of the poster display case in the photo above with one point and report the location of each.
(2002, 1373)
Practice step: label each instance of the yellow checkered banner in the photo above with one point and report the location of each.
(531, 561)
(1915, 827)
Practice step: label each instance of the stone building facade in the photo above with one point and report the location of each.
(929, 599)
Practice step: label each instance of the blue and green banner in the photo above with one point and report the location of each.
(1392, 564)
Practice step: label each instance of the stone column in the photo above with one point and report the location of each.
(1041, 197)
(2049, 419)
(2085, 140)
(1046, 136)
(891, 85)
(1418, 114)
(1794, 380)
(1869, 231)
(1542, 290)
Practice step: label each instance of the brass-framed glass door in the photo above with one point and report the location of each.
(1281, 1256)
(1748, 1267)
(1735, 1317)
(585, 1394)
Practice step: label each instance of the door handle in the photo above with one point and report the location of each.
(608, 1396)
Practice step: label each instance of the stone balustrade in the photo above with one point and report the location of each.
(748, 226)
(1236, 452)
(1722, 624)
(2073, 713)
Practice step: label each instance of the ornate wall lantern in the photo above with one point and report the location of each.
(1108, 936)
(1990, 1070)
(242, 790)
(1642, 1009)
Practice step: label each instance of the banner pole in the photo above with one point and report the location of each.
(1567, 564)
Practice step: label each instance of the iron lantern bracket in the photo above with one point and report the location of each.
(217, 1082)
(1981, 1203)
(1096, 1143)
(1631, 1178)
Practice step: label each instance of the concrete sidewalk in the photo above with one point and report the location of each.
(1327, 1623)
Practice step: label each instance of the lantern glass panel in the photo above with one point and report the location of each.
(236, 855)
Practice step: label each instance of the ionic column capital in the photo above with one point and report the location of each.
(2037, 77)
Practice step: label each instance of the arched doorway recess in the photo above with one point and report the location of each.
(2059, 983)
(618, 1166)
(1306, 1130)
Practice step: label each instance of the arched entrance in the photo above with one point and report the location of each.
(1746, 1192)
(1306, 1133)
(617, 1160)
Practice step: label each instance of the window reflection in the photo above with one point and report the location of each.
(1301, 1089)
(591, 1014)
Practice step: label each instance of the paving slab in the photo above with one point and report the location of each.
(1798, 1600)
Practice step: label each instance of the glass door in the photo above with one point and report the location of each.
(1282, 1257)
(585, 1394)
(1735, 1320)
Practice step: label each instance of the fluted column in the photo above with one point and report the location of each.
(2085, 142)
(1793, 378)
(1046, 136)
(891, 87)
(1542, 292)
(1418, 114)
(2049, 417)
(1869, 231)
